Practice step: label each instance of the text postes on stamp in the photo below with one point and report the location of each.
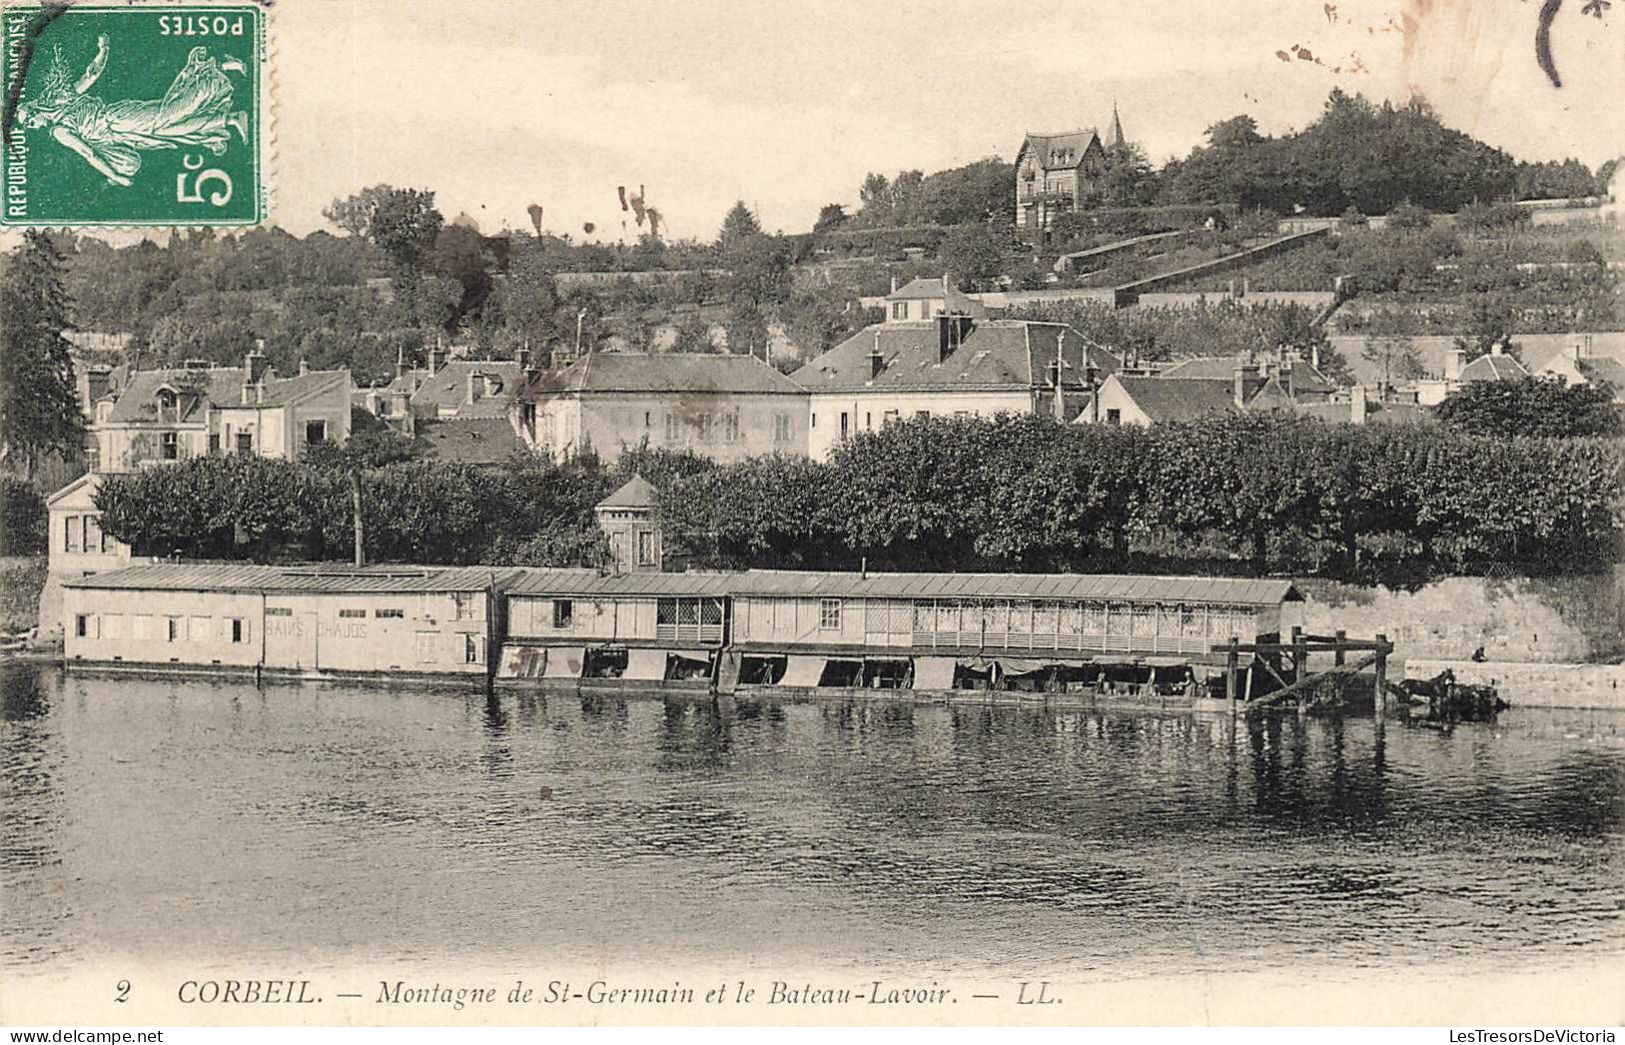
(134, 115)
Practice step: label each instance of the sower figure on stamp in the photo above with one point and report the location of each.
(196, 110)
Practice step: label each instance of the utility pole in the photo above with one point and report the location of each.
(355, 506)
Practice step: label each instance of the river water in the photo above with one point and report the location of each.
(333, 826)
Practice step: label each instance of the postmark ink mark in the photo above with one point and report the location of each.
(1543, 40)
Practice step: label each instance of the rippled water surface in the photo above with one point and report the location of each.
(341, 825)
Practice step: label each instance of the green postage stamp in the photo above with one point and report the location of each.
(139, 114)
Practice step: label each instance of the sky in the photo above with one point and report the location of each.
(496, 104)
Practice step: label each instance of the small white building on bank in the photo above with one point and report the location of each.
(329, 621)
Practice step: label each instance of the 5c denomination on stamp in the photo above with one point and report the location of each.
(134, 115)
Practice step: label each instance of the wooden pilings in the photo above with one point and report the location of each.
(1241, 694)
(1381, 680)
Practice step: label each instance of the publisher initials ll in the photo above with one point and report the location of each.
(1026, 996)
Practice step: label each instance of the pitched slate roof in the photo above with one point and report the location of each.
(996, 354)
(1603, 368)
(675, 372)
(636, 492)
(470, 440)
(922, 289)
(1305, 378)
(1049, 147)
(1178, 398)
(219, 386)
(286, 391)
(447, 388)
(1494, 368)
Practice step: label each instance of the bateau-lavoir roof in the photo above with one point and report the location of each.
(636, 492)
(330, 577)
(1494, 368)
(608, 373)
(994, 355)
(1236, 591)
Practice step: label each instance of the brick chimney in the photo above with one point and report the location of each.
(254, 365)
(952, 329)
(877, 362)
(437, 358)
(475, 385)
(1247, 382)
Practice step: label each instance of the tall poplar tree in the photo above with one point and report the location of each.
(39, 405)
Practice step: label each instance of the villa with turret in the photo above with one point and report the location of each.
(1057, 173)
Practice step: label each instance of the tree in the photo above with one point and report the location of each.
(693, 334)
(1534, 407)
(39, 404)
(1126, 178)
(353, 213)
(830, 215)
(1490, 322)
(1396, 356)
(460, 255)
(405, 225)
(973, 254)
(738, 226)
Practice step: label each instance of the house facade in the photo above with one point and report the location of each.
(77, 545)
(177, 414)
(1060, 173)
(726, 407)
(952, 364)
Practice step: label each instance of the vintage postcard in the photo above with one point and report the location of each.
(715, 513)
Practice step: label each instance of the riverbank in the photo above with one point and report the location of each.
(1592, 687)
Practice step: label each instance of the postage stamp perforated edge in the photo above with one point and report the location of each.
(264, 151)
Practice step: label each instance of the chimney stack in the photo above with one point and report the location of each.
(437, 358)
(1495, 349)
(894, 284)
(473, 386)
(877, 362)
(254, 365)
(523, 356)
(1453, 360)
(1246, 382)
(304, 368)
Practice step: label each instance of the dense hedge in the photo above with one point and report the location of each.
(1375, 503)
(22, 518)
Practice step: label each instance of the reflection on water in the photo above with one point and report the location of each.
(342, 825)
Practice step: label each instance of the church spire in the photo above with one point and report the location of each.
(1114, 133)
